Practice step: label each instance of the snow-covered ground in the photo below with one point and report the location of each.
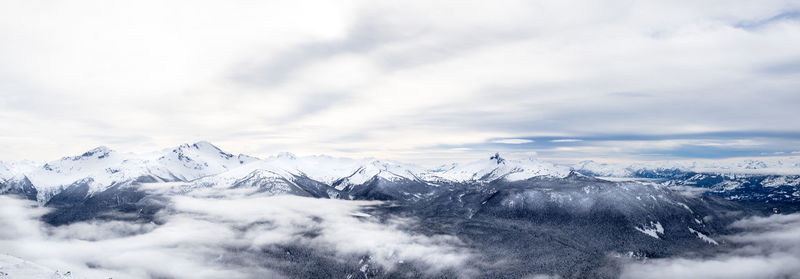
(13, 267)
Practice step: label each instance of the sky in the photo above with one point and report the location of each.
(405, 80)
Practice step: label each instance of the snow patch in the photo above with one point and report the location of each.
(653, 229)
(703, 237)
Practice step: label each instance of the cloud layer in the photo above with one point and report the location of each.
(236, 237)
(406, 80)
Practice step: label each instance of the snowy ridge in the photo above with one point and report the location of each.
(496, 167)
(335, 172)
(102, 167)
(778, 166)
(199, 165)
(387, 170)
(15, 170)
(204, 165)
(330, 170)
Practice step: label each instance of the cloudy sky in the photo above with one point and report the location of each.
(407, 80)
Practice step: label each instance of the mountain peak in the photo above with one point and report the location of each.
(202, 145)
(100, 152)
(497, 157)
(286, 155)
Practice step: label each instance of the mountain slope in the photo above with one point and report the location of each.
(102, 168)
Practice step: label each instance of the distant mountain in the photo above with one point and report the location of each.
(773, 166)
(497, 167)
(769, 180)
(204, 165)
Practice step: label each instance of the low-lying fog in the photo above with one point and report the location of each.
(203, 237)
(217, 238)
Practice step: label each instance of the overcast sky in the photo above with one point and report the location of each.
(406, 80)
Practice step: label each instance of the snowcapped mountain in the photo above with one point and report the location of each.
(600, 169)
(528, 209)
(766, 180)
(776, 166)
(341, 172)
(325, 176)
(14, 181)
(287, 173)
(497, 167)
(203, 165)
(15, 170)
(189, 162)
(101, 168)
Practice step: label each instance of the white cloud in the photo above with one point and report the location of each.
(363, 78)
(512, 141)
(566, 140)
(222, 237)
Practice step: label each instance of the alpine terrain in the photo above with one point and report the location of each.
(319, 216)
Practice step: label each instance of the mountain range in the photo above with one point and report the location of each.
(573, 221)
(204, 165)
